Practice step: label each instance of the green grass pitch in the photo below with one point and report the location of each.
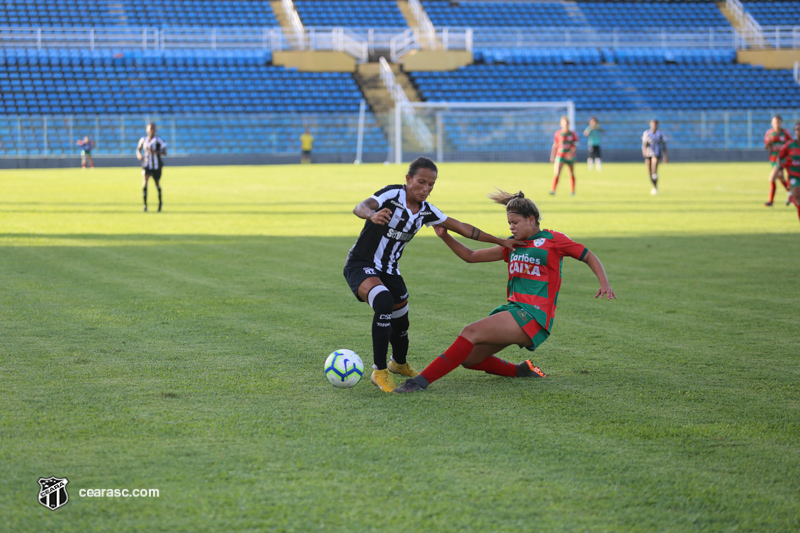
(183, 351)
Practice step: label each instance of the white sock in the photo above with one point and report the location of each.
(589, 162)
(599, 164)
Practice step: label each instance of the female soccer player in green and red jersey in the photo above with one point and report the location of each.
(534, 278)
(774, 139)
(565, 144)
(790, 154)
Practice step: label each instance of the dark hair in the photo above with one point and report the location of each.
(151, 125)
(517, 203)
(778, 117)
(421, 162)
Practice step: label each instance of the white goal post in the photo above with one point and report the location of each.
(477, 131)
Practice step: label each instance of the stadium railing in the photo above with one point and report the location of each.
(397, 41)
(421, 131)
(146, 38)
(53, 136)
(445, 39)
(615, 38)
(294, 19)
(748, 24)
(425, 31)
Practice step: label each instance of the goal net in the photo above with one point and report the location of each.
(477, 131)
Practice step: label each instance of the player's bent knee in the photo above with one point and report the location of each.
(380, 300)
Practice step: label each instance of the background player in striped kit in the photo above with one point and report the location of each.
(774, 140)
(393, 216)
(790, 154)
(149, 151)
(565, 144)
(534, 279)
(654, 147)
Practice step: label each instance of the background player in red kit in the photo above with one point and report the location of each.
(790, 155)
(534, 279)
(565, 145)
(774, 140)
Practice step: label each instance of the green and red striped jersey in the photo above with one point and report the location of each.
(774, 140)
(534, 273)
(790, 154)
(566, 144)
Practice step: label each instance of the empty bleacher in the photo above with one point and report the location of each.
(615, 87)
(350, 13)
(157, 13)
(784, 13)
(204, 84)
(642, 15)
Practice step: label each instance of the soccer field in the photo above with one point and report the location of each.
(183, 351)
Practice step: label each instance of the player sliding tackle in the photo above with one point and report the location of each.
(534, 279)
(393, 215)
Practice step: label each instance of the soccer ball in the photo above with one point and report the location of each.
(344, 368)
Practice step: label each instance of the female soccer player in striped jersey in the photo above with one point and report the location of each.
(774, 140)
(654, 147)
(393, 216)
(534, 279)
(565, 144)
(790, 154)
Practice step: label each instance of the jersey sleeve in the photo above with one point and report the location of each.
(506, 254)
(788, 136)
(384, 194)
(569, 248)
(767, 138)
(436, 217)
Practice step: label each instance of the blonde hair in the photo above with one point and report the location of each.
(516, 203)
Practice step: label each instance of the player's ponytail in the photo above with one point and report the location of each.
(516, 203)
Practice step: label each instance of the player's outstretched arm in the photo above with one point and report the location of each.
(468, 254)
(367, 211)
(471, 232)
(597, 267)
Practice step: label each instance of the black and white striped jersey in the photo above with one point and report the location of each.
(151, 150)
(383, 245)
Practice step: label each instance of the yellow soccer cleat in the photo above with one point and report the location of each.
(406, 369)
(383, 380)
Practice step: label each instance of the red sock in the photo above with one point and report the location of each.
(785, 185)
(456, 354)
(572, 183)
(498, 367)
(771, 191)
(555, 183)
(798, 210)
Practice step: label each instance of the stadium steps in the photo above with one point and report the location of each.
(738, 25)
(404, 8)
(280, 15)
(575, 14)
(368, 77)
(116, 13)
